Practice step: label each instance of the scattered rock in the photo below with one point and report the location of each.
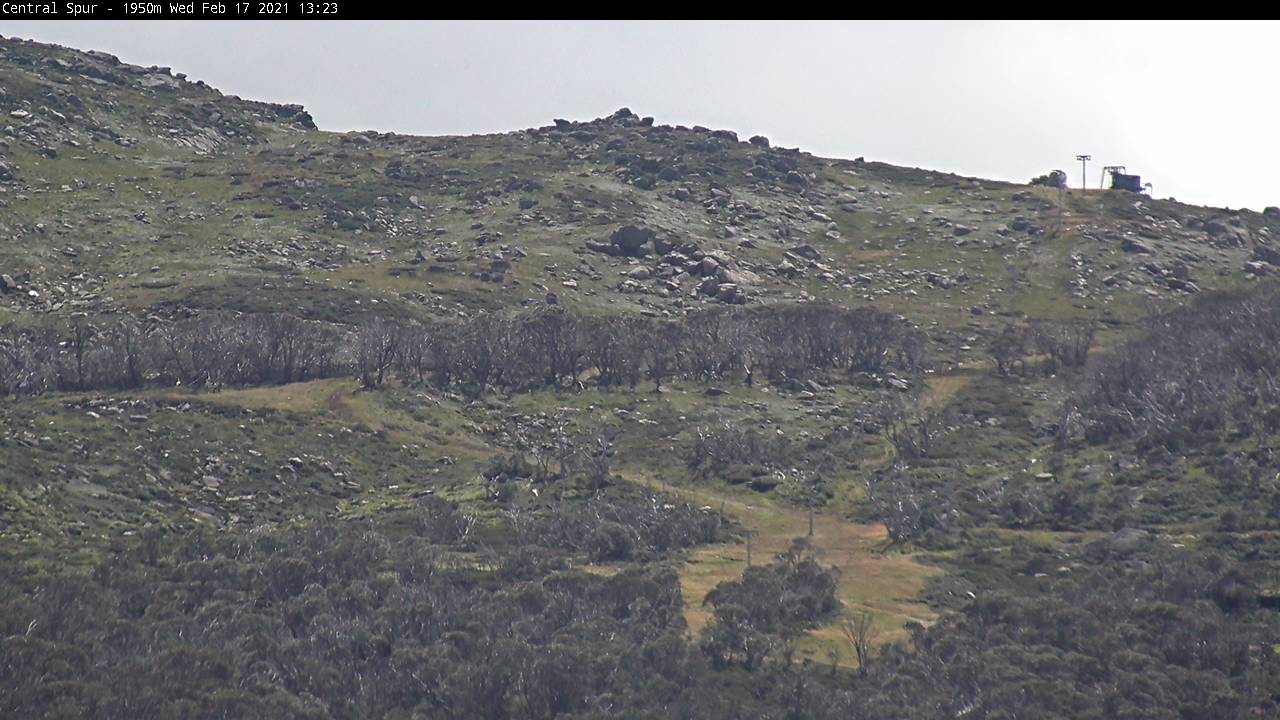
(896, 382)
(807, 252)
(1133, 245)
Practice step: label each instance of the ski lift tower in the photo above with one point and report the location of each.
(1084, 166)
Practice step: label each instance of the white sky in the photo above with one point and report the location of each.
(1190, 106)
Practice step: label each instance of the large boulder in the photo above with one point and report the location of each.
(624, 116)
(1127, 540)
(737, 276)
(297, 114)
(631, 239)
(1228, 233)
(726, 292)
(1267, 255)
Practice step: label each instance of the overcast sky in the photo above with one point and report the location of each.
(1192, 107)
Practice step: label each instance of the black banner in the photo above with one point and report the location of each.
(192, 10)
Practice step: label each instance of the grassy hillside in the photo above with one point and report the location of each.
(919, 366)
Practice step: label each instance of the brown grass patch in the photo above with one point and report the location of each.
(887, 584)
(944, 387)
(304, 397)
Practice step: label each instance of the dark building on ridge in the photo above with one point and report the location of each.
(1121, 181)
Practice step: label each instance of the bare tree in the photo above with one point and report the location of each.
(715, 342)
(413, 352)
(25, 361)
(376, 344)
(550, 443)
(81, 332)
(1011, 348)
(911, 427)
(663, 351)
(563, 443)
(125, 344)
(717, 446)
(616, 346)
(805, 486)
(1066, 342)
(907, 505)
(556, 336)
(861, 633)
(597, 453)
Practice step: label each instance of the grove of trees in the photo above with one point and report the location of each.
(515, 350)
(1205, 370)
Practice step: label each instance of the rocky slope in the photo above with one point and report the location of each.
(132, 189)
